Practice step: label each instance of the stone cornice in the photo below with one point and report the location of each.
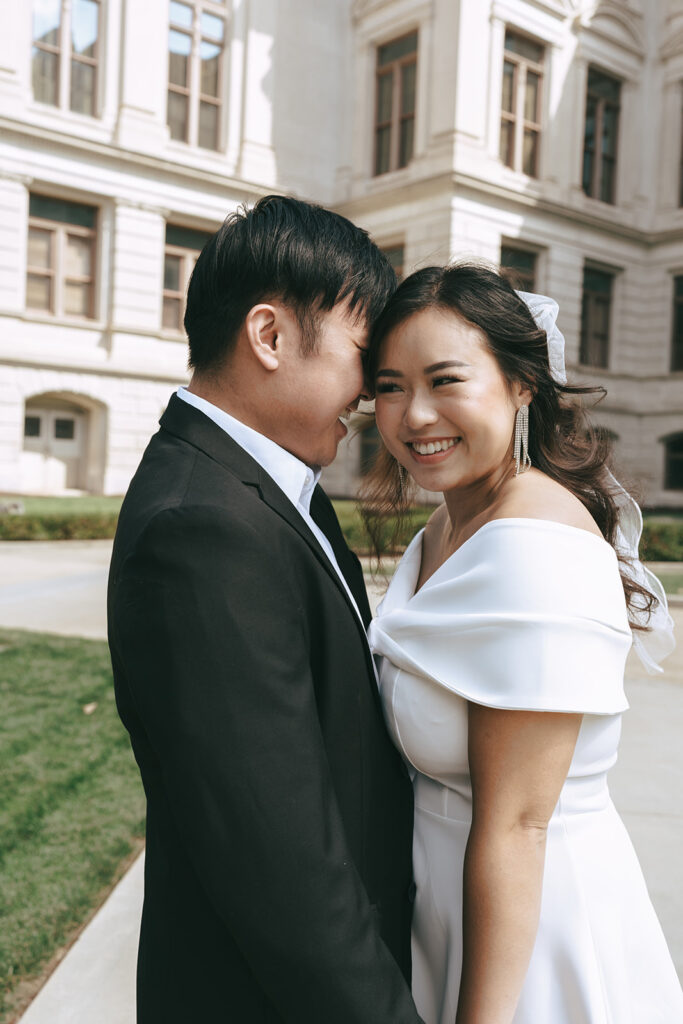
(131, 159)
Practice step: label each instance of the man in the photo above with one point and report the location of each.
(278, 875)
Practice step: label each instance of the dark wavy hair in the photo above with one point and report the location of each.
(562, 442)
(308, 257)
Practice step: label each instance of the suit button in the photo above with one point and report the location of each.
(412, 890)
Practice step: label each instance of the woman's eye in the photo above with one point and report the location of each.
(436, 381)
(385, 389)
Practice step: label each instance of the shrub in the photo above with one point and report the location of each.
(62, 526)
(662, 542)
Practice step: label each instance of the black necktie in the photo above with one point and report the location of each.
(324, 516)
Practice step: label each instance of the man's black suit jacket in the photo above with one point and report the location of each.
(279, 823)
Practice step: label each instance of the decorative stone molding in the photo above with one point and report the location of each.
(616, 22)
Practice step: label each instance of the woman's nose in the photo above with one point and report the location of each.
(419, 412)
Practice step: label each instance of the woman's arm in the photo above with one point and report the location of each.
(518, 763)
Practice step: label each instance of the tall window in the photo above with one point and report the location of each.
(395, 103)
(520, 116)
(395, 255)
(673, 463)
(680, 161)
(520, 265)
(196, 46)
(596, 311)
(65, 53)
(600, 138)
(677, 334)
(370, 444)
(60, 272)
(183, 246)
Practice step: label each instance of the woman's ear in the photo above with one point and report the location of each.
(261, 329)
(522, 394)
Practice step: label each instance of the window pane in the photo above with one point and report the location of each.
(208, 126)
(531, 96)
(603, 86)
(524, 47)
(62, 210)
(187, 238)
(507, 142)
(177, 116)
(77, 298)
(396, 49)
(179, 46)
(210, 56)
(171, 314)
(65, 430)
(46, 17)
(405, 149)
(181, 14)
(212, 26)
(673, 478)
(678, 287)
(385, 85)
(394, 254)
(38, 292)
(82, 98)
(408, 88)
(84, 15)
(609, 131)
(597, 281)
(45, 71)
(508, 86)
(39, 248)
(78, 256)
(530, 152)
(522, 265)
(607, 181)
(382, 144)
(32, 426)
(171, 273)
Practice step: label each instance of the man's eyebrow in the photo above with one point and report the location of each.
(428, 369)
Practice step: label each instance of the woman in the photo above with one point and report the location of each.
(504, 635)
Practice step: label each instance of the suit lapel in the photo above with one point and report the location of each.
(184, 421)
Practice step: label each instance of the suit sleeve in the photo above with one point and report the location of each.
(214, 640)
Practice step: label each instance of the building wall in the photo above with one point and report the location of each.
(298, 116)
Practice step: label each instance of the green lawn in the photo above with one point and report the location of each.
(87, 504)
(672, 581)
(71, 802)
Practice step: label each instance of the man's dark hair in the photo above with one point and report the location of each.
(297, 252)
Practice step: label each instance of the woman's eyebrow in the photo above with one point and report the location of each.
(444, 365)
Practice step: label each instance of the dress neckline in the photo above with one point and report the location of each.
(506, 520)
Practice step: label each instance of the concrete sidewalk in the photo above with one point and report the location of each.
(59, 587)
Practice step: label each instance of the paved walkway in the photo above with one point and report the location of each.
(59, 587)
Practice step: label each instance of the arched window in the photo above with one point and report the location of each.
(673, 462)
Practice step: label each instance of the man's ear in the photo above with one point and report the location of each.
(261, 326)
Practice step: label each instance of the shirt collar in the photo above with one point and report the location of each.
(293, 477)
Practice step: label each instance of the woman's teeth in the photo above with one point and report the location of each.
(433, 446)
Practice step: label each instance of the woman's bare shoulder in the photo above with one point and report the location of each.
(534, 495)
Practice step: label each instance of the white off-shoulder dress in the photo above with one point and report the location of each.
(527, 614)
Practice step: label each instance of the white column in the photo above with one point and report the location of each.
(143, 75)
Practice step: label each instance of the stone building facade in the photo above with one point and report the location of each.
(543, 134)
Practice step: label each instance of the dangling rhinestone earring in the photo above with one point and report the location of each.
(521, 446)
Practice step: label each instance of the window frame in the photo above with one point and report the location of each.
(395, 69)
(516, 117)
(193, 89)
(596, 185)
(56, 272)
(519, 277)
(188, 257)
(676, 354)
(590, 299)
(677, 459)
(66, 56)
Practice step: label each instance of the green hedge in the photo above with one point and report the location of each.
(62, 526)
(662, 542)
